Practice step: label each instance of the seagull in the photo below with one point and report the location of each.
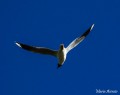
(62, 52)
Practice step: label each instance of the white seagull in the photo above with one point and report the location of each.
(61, 53)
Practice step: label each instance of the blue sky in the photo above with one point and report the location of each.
(94, 64)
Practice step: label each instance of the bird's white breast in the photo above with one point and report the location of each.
(61, 56)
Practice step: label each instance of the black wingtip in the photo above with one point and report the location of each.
(88, 30)
(58, 66)
(26, 47)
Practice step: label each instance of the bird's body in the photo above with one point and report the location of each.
(61, 53)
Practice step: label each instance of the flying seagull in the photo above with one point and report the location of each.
(62, 52)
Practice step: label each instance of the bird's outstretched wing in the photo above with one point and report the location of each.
(40, 50)
(75, 42)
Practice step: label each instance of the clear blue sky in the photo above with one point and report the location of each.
(94, 64)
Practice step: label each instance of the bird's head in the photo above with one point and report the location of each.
(61, 46)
